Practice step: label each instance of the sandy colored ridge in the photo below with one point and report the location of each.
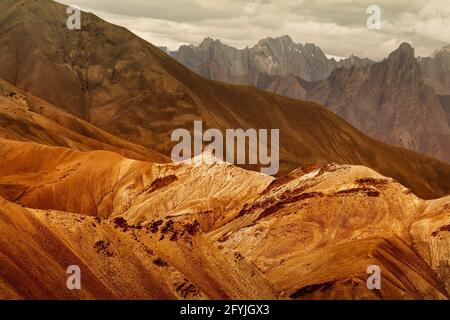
(168, 231)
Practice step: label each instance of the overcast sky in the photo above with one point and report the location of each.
(337, 26)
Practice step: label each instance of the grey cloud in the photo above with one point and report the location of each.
(337, 26)
(172, 10)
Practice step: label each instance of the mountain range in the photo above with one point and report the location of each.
(436, 70)
(400, 100)
(86, 179)
(271, 56)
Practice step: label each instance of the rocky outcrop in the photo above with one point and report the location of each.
(314, 236)
(115, 186)
(436, 70)
(388, 101)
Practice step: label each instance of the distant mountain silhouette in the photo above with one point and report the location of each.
(270, 56)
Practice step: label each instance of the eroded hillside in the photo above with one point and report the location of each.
(212, 230)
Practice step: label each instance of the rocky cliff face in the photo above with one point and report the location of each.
(445, 102)
(271, 56)
(389, 100)
(436, 70)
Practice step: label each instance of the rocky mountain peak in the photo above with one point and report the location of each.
(436, 70)
(210, 42)
(275, 46)
(404, 52)
(146, 226)
(388, 100)
(402, 66)
(443, 50)
(284, 40)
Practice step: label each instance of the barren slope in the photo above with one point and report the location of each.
(106, 184)
(24, 117)
(315, 235)
(431, 236)
(213, 231)
(117, 261)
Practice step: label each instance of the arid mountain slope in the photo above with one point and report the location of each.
(105, 184)
(315, 235)
(431, 236)
(126, 86)
(117, 261)
(389, 101)
(212, 231)
(24, 117)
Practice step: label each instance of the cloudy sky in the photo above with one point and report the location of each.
(339, 27)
